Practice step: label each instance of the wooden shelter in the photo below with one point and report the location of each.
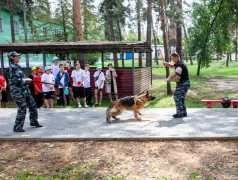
(130, 81)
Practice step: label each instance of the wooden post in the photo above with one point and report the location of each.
(133, 72)
(151, 71)
(102, 60)
(122, 59)
(2, 63)
(44, 58)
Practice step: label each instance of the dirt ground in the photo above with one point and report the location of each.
(224, 83)
(120, 160)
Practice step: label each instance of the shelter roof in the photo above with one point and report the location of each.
(77, 47)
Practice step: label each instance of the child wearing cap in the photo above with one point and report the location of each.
(99, 84)
(78, 86)
(55, 70)
(55, 66)
(62, 79)
(38, 88)
(48, 89)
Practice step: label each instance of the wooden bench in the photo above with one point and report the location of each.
(209, 102)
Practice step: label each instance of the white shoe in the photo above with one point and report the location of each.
(79, 105)
(85, 105)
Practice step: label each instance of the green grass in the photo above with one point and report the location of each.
(193, 175)
(199, 88)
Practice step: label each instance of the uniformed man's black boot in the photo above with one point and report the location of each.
(18, 130)
(36, 125)
(178, 115)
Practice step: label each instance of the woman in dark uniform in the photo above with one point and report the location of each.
(21, 94)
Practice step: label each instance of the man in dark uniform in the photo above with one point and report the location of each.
(21, 94)
(182, 86)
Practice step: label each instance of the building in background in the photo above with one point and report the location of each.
(128, 55)
(37, 31)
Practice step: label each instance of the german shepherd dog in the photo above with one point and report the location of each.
(131, 103)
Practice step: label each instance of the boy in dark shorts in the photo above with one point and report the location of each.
(99, 84)
(78, 85)
(87, 86)
(48, 89)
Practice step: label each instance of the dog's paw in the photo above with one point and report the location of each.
(108, 122)
(116, 118)
(139, 119)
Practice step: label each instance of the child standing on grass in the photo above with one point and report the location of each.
(78, 87)
(38, 89)
(48, 89)
(99, 84)
(62, 79)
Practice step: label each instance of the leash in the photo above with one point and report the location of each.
(45, 83)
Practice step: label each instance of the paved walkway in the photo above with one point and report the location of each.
(91, 124)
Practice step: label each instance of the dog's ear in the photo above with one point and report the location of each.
(147, 93)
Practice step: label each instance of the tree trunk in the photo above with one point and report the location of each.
(148, 39)
(64, 23)
(172, 29)
(236, 44)
(167, 32)
(119, 29)
(191, 60)
(110, 23)
(120, 36)
(138, 8)
(155, 41)
(169, 91)
(186, 44)
(12, 21)
(25, 30)
(79, 29)
(85, 18)
(179, 29)
(78, 20)
(227, 59)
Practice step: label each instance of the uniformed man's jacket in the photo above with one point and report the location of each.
(17, 82)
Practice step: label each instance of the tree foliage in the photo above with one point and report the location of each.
(210, 31)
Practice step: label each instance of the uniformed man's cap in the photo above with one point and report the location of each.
(13, 54)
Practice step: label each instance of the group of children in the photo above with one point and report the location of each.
(61, 81)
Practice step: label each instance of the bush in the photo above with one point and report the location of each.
(92, 58)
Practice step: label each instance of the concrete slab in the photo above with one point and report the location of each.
(90, 124)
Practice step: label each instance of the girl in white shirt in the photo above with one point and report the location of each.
(99, 84)
(78, 86)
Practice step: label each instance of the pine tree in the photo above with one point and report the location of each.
(149, 27)
(169, 91)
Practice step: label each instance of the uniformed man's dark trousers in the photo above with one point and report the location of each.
(22, 104)
(179, 96)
